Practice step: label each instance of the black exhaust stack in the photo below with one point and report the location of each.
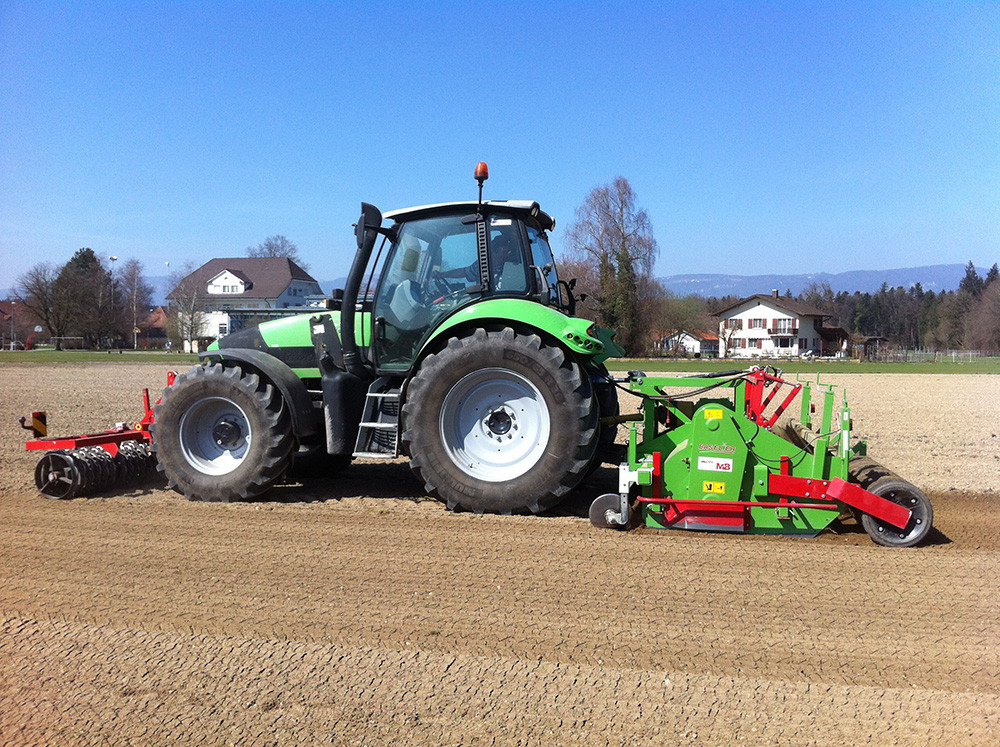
(366, 231)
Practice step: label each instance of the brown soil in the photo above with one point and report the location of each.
(353, 611)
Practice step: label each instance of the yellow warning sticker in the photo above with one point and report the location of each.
(713, 487)
(713, 413)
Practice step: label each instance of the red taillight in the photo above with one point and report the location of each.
(482, 172)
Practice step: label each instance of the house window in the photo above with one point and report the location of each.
(785, 326)
(223, 330)
(756, 324)
(734, 323)
(803, 343)
(784, 342)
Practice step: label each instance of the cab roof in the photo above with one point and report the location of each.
(527, 207)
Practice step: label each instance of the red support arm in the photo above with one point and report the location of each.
(840, 490)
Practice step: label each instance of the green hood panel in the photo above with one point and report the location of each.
(295, 331)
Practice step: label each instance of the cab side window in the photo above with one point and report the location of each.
(507, 267)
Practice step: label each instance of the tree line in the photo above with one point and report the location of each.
(91, 299)
(611, 251)
(87, 299)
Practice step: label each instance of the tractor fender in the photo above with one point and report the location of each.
(294, 392)
(579, 336)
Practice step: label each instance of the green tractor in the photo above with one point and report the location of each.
(456, 345)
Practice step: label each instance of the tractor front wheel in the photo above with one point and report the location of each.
(222, 434)
(499, 422)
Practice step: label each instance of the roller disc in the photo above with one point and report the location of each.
(57, 476)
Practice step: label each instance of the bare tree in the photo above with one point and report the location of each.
(42, 291)
(186, 315)
(616, 237)
(135, 295)
(277, 246)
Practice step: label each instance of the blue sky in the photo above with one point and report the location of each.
(760, 137)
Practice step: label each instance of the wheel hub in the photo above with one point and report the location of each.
(500, 422)
(227, 433)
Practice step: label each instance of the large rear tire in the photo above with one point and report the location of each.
(498, 422)
(222, 434)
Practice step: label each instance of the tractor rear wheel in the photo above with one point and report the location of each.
(905, 494)
(499, 422)
(222, 434)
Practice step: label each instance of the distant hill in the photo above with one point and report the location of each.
(933, 277)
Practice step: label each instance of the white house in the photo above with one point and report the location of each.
(692, 343)
(229, 291)
(762, 326)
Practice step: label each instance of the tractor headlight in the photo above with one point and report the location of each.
(592, 330)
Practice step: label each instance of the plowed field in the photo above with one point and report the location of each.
(353, 611)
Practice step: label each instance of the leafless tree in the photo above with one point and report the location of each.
(277, 246)
(135, 295)
(186, 315)
(42, 290)
(616, 238)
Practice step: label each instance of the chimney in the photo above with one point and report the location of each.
(774, 292)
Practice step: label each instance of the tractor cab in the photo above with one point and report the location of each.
(440, 258)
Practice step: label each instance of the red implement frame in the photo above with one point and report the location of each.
(756, 403)
(110, 439)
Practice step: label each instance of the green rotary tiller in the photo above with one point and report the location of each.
(722, 462)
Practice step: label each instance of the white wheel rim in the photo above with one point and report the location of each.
(494, 424)
(215, 435)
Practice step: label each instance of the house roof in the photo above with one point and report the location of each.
(5, 309)
(156, 318)
(787, 304)
(268, 276)
(833, 333)
(699, 334)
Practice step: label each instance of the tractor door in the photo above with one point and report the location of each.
(544, 267)
(432, 268)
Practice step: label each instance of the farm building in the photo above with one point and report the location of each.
(231, 291)
(774, 326)
(690, 343)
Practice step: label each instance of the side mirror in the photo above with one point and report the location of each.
(371, 218)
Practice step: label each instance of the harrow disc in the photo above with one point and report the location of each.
(56, 475)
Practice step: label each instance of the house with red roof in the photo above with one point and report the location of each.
(693, 343)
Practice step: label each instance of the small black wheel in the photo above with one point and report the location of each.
(222, 434)
(56, 476)
(905, 494)
(499, 422)
(602, 508)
